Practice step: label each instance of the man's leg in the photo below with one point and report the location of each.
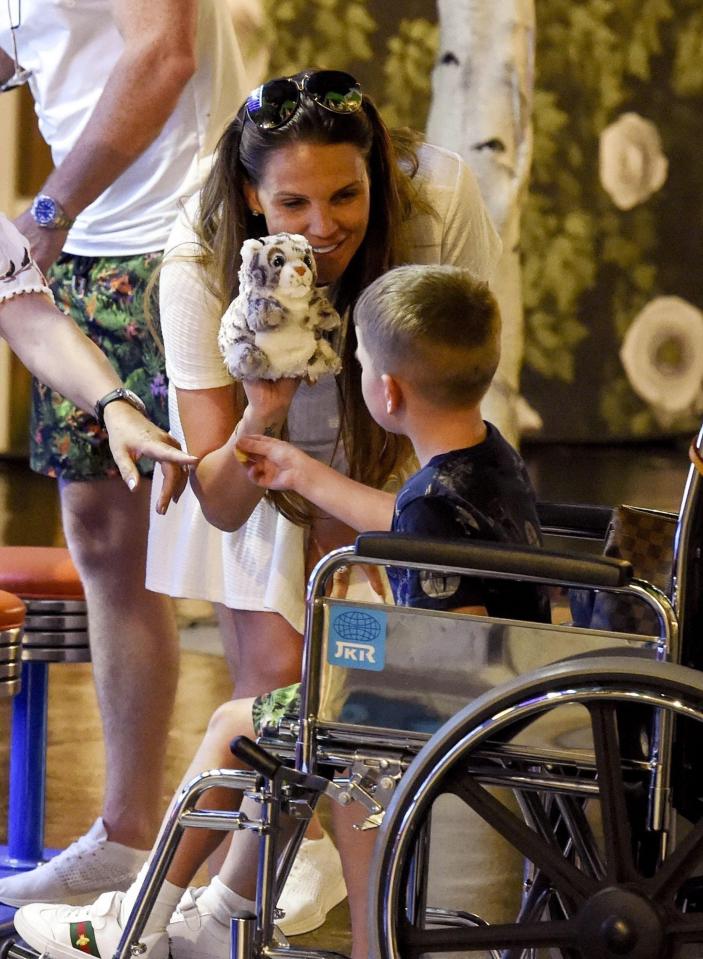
(134, 648)
(133, 633)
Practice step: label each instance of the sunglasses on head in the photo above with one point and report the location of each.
(20, 76)
(273, 104)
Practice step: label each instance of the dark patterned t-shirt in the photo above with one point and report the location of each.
(482, 492)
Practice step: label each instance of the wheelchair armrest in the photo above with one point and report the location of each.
(502, 559)
(576, 520)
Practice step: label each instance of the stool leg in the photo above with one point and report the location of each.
(25, 828)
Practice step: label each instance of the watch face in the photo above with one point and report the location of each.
(44, 210)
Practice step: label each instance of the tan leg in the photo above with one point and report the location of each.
(262, 650)
(263, 653)
(356, 852)
(134, 648)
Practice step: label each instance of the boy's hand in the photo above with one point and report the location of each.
(273, 464)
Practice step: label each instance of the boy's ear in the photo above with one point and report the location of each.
(393, 393)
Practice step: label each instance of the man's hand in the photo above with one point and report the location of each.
(46, 245)
(132, 436)
(272, 464)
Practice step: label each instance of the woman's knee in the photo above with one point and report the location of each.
(270, 652)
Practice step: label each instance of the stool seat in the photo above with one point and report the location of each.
(12, 612)
(39, 572)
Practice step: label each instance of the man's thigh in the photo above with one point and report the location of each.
(106, 297)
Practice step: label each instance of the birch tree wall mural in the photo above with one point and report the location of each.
(610, 237)
(481, 108)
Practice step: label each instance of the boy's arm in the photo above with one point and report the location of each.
(434, 517)
(275, 464)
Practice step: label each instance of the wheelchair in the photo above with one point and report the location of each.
(576, 747)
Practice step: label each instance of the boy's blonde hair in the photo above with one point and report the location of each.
(436, 326)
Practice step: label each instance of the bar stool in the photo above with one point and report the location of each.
(12, 613)
(55, 631)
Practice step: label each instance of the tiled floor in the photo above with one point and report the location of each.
(652, 476)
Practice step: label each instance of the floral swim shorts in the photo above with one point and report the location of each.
(105, 296)
(270, 708)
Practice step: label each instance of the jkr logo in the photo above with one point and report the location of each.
(357, 638)
(355, 652)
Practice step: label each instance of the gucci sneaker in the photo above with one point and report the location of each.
(71, 931)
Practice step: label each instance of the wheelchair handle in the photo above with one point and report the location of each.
(262, 762)
(501, 559)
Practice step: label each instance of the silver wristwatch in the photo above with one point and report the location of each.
(121, 393)
(49, 214)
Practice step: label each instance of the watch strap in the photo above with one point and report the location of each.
(121, 393)
(59, 221)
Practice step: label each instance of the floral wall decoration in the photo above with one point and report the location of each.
(612, 229)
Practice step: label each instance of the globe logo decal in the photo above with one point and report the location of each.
(355, 626)
(357, 639)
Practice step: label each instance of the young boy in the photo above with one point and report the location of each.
(428, 345)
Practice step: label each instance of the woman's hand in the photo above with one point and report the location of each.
(132, 436)
(269, 402)
(272, 464)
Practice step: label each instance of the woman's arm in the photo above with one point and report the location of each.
(209, 418)
(207, 400)
(53, 348)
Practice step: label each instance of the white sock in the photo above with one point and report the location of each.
(166, 901)
(222, 901)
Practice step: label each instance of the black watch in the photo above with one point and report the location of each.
(121, 393)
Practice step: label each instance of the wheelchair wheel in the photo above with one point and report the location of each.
(573, 748)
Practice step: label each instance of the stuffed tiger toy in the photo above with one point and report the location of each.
(274, 327)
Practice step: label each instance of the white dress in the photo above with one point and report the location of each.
(261, 566)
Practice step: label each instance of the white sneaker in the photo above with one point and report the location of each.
(72, 931)
(196, 933)
(315, 885)
(78, 874)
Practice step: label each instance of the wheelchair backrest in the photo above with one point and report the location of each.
(398, 673)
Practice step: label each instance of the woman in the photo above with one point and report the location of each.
(307, 154)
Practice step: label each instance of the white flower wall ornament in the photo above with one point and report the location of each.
(632, 163)
(662, 354)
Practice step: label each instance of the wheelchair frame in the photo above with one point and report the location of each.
(396, 772)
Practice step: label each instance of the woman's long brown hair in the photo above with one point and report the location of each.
(225, 221)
